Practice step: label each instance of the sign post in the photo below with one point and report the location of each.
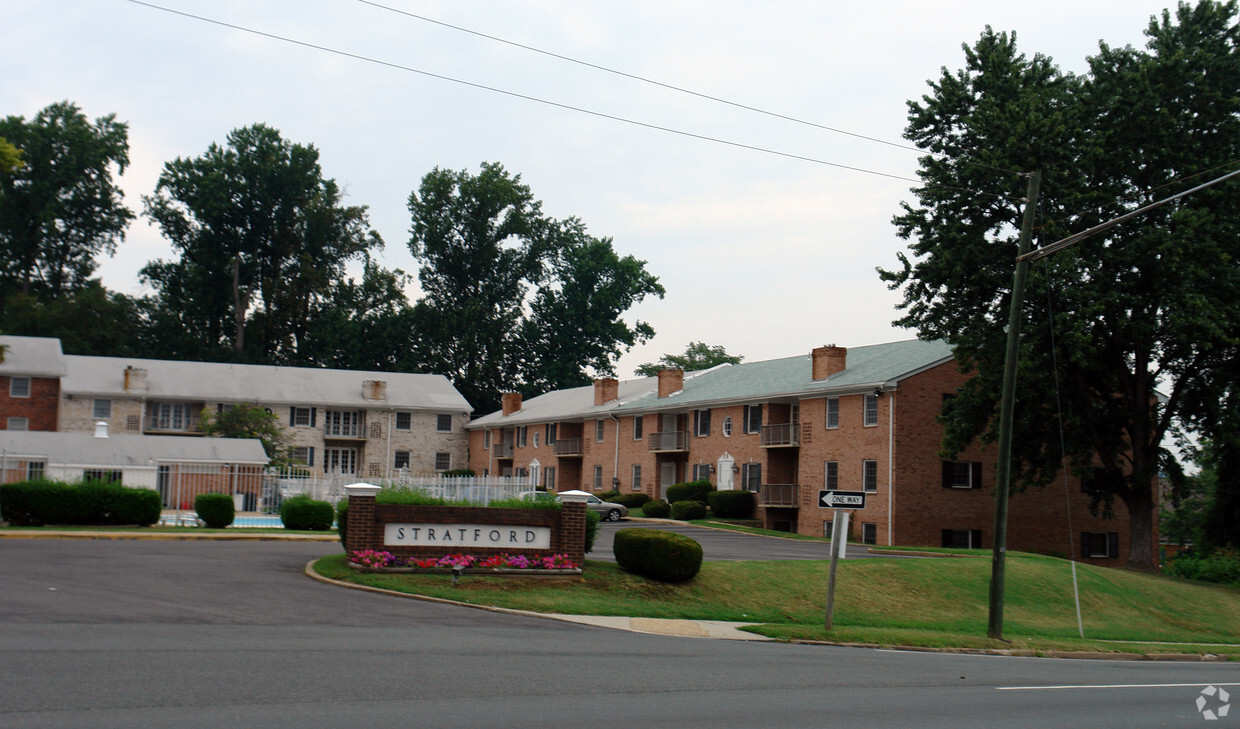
(841, 502)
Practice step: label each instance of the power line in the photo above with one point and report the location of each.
(556, 104)
(680, 89)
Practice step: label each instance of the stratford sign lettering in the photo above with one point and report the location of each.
(467, 535)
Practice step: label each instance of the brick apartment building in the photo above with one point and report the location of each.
(860, 419)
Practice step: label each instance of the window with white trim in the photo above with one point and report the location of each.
(869, 475)
(962, 475)
(536, 438)
(870, 417)
(340, 460)
(753, 418)
(102, 409)
(831, 475)
(701, 472)
(343, 423)
(35, 470)
(400, 459)
(751, 477)
(523, 432)
(19, 387)
(443, 461)
(486, 440)
(598, 477)
(726, 427)
(302, 454)
(301, 417)
(833, 412)
(552, 433)
(637, 427)
(598, 430)
(637, 477)
(701, 423)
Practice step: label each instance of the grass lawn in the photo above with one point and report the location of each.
(915, 602)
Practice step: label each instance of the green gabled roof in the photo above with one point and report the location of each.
(866, 366)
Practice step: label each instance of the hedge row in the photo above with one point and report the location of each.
(689, 491)
(738, 504)
(88, 503)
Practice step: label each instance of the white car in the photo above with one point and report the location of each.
(607, 510)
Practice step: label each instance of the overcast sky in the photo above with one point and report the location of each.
(766, 255)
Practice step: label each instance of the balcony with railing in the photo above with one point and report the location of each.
(503, 450)
(568, 447)
(783, 435)
(672, 441)
(779, 494)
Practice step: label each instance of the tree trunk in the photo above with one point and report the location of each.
(1141, 547)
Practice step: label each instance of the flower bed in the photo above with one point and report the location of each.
(371, 560)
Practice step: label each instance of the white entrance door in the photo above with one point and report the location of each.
(667, 477)
(726, 477)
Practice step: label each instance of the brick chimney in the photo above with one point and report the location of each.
(671, 381)
(828, 360)
(606, 390)
(512, 402)
(135, 379)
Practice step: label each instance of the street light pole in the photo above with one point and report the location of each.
(1007, 406)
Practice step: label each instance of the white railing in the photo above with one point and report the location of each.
(281, 484)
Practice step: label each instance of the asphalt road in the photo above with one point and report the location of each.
(140, 634)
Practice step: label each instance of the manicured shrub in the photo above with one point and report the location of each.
(305, 513)
(633, 501)
(215, 510)
(609, 495)
(656, 509)
(685, 510)
(738, 504)
(654, 553)
(139, 506)
(90, 503)
(592, 520)
(342, 520)
(689, 491)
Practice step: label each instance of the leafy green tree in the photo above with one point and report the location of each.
(1147, 304)
(60, 208)
(487, 253)
(244, 420)
(10, 157)
(89, 321)
(575, 315)
(697, 356)
(366, 324)
(262, 238)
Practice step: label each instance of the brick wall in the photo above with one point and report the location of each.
(40, 409)
(367, 521)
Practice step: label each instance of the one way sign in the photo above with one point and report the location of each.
(841, 499)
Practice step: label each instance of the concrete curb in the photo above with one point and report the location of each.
(170, 536)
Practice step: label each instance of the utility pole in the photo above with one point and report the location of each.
(1007, 406)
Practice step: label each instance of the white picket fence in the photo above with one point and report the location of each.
(281, 484)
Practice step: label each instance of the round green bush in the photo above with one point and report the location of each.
(342, 521)
(686, 510)
(689, 491)
(140, 506)
(633, 501)
(307, 514)
(658, 554)
(737, 504)
(215, 510)
(656, 509)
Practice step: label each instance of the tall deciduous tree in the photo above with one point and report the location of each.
(512, 299)
(1150, 304)
(60, 207)
(244, 420)
(697, 356)
(262, 238)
